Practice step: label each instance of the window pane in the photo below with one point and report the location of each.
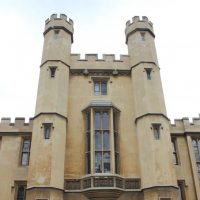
(98, 141)
(88, 163)
(194, 143)
(88, 122)
(98, 162)
(47, 132)
(103, 87)
(116, 163)
(97, 88)
(116, 145)
(106, 141)
(106, 162)
(173, 146)
(21, 193)
(97, 120)
(175, 160)
(105, 121)
(156, 130)
(115, 125)
(25, 158)
(198, 169)
(88, 142)
(26, 145)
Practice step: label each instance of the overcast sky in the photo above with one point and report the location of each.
(99, 28)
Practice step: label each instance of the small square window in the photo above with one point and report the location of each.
(100, 87)
(47, 130)
(156, 131)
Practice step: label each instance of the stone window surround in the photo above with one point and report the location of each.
(111, 110)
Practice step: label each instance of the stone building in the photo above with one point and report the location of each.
(100, 129)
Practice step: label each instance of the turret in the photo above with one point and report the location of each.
(58, 37)
(145, 72)
(140, 40)
(50, 122)
(152, 124)
(54, 70)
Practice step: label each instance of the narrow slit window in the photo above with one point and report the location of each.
(181, 189)
(20, 191)
(148, 72)
(25, 151)
(156, 131)
(175, 155)
(142, 36)
(47, 130)
(52, 71)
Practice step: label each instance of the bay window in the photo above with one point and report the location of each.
(102, 149)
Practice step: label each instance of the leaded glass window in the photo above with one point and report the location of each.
(100, 87)
(102, 142)
(98, 141)
(25, 151)
(196, 148)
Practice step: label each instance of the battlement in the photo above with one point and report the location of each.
(184, 125)
(138, 24)
(95, 57)
(93, 61)
(19, 125)
(61, 22)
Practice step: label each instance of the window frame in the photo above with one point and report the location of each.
(20, 184)
(92, 152)
(100, 81)
(175, 151)
(181, 186)
(25, 152)
(143, 38)
(102, 130)
(156, 127)
(52, 70)
(149, 73)
(197, 160)
(47, 127)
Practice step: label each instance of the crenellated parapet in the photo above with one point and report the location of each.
(18, 126)
(107, 62)
(138, 24)
(185, 126)
(61, 22)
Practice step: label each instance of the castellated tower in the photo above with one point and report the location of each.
(100, 130)
(46, 171)
(152, 124)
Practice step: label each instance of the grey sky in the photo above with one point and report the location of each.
(99, 28)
